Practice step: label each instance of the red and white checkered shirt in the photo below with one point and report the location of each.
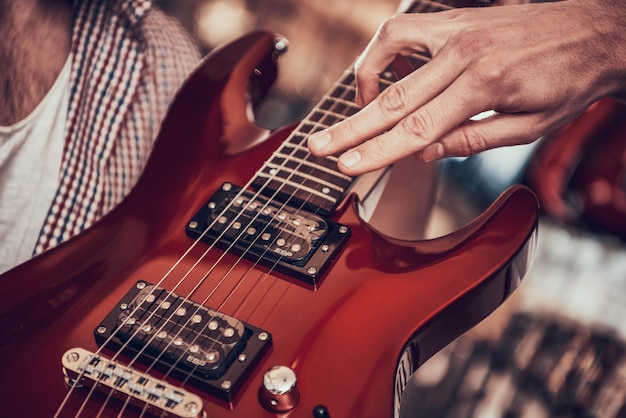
(128, 60)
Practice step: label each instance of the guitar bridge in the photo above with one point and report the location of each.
(293, 241)
(85, 368)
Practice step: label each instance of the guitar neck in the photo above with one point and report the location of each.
(296, 177)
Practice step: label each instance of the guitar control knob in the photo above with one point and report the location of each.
(279, 391)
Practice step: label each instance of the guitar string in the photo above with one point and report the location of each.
(267, 274)
(160, 283)
(297, 132)
(167, 274)
(243, 189)
(170, 293)
(329, 110)
(251, 268)
(192, 267)
(348, 91)
(206, 275)
(334, 104)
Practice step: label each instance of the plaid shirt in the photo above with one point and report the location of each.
(128, 60)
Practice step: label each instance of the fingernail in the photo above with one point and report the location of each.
(350, 158)
(432, 152)
(320, 140)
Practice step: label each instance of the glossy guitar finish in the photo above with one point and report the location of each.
(343, 337)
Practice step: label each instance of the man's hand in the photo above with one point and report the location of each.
(536, 66)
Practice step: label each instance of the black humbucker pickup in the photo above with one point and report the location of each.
(293, 241)
(182, 338)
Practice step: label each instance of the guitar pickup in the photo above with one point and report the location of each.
(293, 241)
(178, 335)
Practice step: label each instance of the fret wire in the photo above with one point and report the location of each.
(322, 125)
(320, 117)
(304, 148)
(318, 167)
(337, 105)
(305, 176)
(299, 186)
(331, 194)
(326, 113)
(328, 163)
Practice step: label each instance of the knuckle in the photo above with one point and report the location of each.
(417, 125)
(388, 30)
(487, 65)
(471, 141)
(393, 100)
(490, 71)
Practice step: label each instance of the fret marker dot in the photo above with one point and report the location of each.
(325, 190)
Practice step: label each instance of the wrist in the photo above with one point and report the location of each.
(608, 51)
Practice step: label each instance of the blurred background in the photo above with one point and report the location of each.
(324, 37)
(556, 348)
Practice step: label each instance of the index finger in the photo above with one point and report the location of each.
(390, 107)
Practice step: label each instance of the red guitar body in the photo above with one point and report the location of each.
(344, 337)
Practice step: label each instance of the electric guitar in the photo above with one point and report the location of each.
(225, 286)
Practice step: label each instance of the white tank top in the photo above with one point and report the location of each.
(30, 161)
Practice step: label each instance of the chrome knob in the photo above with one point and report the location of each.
(279, 391)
